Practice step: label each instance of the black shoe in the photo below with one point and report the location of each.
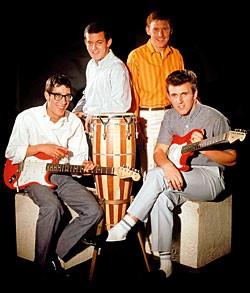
(161, 274)
(158, 275)
(98, 241)
(54, 269)
(101, 238)
(89, 242)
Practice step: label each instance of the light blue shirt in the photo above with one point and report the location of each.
(33, 126)
(108, 87)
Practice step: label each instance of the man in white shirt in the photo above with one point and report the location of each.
(108, 87)
(52, 132)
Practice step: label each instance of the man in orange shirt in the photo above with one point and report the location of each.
(149, 66)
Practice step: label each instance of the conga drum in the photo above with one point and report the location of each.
(114, 145)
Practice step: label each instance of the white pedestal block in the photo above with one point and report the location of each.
(205, 232)
(26, 216)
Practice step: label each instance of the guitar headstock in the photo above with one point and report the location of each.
(125, 172)
(237, 134)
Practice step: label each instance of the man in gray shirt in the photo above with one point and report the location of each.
(196, 174)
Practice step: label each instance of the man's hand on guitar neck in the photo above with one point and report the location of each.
(197, 135)
(88, 166)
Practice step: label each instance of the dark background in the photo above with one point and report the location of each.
(40, 39)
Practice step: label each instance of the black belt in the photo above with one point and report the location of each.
(155, 108)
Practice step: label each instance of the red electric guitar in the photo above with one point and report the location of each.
(38, 168)
(181, 148)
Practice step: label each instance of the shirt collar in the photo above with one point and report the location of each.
(167, 51)
(44, 111)
(194, 112)
(45, 115)
(106, 60)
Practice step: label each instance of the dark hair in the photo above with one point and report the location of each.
(97, 27)
(57, 80)
(180, 77)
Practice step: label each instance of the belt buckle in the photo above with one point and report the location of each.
(154, 109)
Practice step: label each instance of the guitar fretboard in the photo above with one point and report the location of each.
(204, 143)
(78, 169)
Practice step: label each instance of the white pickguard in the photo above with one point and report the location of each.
(34, 170)
(174, 153)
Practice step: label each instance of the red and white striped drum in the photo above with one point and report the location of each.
(114, 145)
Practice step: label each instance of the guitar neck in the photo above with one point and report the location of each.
(204, 143)
(78, 169)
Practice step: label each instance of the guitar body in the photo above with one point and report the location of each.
(175, 151)
(31, 171)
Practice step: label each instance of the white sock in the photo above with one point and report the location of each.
(121, 229)
(166, 263)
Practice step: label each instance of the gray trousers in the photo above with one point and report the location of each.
(157, 200)
(51, 211)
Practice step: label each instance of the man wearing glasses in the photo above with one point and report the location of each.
(51, 131)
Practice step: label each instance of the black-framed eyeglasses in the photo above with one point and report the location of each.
(58, 97)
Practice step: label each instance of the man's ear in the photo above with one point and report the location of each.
(46, 95)
(196, 95)
(109, 42)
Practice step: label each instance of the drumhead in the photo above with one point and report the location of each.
(112, 115)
